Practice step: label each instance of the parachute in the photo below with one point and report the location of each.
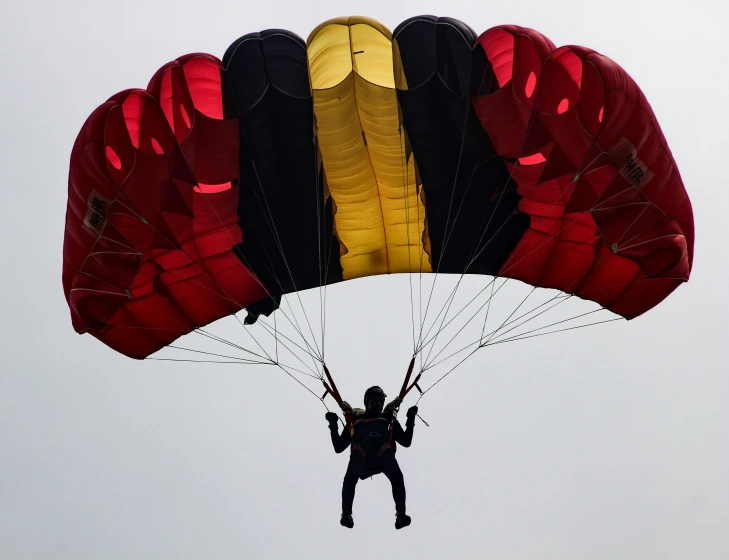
(236, 184)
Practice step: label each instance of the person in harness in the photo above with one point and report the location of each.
(373, 434)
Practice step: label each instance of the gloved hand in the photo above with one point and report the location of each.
(389, 407)
(331, 418)
(346, 407)
(412, 411)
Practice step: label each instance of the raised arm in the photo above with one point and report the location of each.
(405, 437)
(340, 442)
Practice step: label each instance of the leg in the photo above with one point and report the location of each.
(392, 471)
(356, 467)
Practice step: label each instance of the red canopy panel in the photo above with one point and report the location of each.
(610, 218)
(152, 213)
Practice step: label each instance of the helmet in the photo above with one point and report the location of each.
(374, 391)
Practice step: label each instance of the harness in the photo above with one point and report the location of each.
(385, 446)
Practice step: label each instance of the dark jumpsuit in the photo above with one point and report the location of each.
(373, 452)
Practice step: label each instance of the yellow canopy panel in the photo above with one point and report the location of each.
(380, 220)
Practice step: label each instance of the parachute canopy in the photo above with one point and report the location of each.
(290, 165)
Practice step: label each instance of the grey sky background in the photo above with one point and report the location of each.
(603, 443)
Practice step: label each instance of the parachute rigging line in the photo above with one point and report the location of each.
(222, 294)
(471, 260)
(273, 229)
(451, 298)
(450, 206)
(468, 185)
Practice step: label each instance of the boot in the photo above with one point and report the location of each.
(402, 520)
(346, 520)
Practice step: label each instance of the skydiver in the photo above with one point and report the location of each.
(374, 434)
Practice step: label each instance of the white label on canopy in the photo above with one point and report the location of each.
(629, 165)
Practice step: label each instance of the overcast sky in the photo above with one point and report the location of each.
(603, 443)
